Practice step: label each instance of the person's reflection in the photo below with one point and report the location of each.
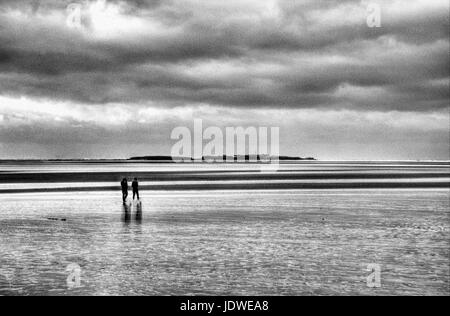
(139, 212)
(126, 213)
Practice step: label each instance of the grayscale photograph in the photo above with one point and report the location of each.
(225, 153)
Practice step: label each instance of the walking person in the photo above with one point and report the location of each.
(124, 185)
(135, 186)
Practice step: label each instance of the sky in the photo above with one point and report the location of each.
(115, 82)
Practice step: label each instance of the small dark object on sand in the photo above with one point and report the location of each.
(57, 219)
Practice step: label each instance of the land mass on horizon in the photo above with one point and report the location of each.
(236, 158)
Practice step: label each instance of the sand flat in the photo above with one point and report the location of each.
(242, 243)
(307, 229)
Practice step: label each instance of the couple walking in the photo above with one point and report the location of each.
(134, 185)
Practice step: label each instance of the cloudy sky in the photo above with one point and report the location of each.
(117, 84)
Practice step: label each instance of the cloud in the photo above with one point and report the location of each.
(293, 54)
(39, 129)
(136, 69)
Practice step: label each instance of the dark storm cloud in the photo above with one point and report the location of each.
(298, 54)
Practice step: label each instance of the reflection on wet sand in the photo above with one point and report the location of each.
(139, 212)
(127, 211)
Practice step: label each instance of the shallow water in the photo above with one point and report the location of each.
(288, 242)
(39, 177)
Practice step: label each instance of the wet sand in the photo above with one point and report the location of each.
(179, 177)
(296, 242)
(307, 229)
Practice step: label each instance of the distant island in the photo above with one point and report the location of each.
(236, 158)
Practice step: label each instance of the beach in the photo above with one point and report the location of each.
(82, 176)
(310, 228)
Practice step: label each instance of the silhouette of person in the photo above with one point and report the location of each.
(135, 186)
(124, 185)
